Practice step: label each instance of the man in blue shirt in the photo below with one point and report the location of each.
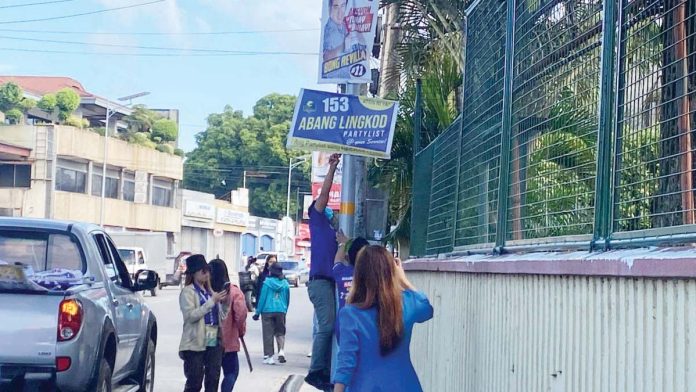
(322, 228)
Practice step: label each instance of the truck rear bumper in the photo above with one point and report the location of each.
(17, 377)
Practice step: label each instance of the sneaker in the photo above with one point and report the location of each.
(309, 355)
(281, 356)
(269, 360)
(315, 379)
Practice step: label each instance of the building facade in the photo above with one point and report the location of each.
(57, 173)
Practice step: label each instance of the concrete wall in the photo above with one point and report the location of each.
(89, 145)
(86, 208)
(34, 202)
(513, 332)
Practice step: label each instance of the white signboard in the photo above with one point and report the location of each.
(230, 217)
(320, 166)
(194, 209)
(268, 224)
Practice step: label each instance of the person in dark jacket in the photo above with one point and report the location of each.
(273, 306)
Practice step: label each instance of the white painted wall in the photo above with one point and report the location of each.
(531, 333)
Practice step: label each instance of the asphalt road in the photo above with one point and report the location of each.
(169, 376)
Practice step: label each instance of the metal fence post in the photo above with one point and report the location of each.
(459, 139)
(506, 131)
(617, 122)
(417, 125)
(602, 211)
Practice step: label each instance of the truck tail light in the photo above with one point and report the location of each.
(63, 364)
(69, 319)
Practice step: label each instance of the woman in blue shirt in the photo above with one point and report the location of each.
(376, 326)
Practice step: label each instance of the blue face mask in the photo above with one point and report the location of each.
(328, 212)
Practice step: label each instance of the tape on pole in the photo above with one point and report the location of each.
(347, 208)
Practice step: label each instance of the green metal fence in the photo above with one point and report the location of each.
(577, 129)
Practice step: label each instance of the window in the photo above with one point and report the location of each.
(129, 186)
(115, 269)
(41, 251)
(15, 175)
(112, 180)
(71, 176)
(111, 190)
(70, 180)
(162, 193)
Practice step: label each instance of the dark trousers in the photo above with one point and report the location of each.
(323, 297)
(200, 366)
(230, 371)
(272, 324)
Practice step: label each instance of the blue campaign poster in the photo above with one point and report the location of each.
(342, 123)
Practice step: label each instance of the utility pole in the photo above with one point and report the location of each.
(346, 218)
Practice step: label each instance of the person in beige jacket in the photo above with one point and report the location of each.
(200, 346)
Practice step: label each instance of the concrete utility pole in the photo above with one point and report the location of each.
(346, 219)
(389, 72)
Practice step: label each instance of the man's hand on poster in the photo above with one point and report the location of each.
(334, 160)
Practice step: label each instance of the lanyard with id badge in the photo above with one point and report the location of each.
(211, 330)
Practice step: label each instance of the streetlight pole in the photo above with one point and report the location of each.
(109, 113)
(300, 160)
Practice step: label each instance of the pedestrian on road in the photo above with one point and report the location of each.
(273, 306)
(322, 227)
(200, 347)
(252, 268)
(265, 273)
(376, 327)
(233, 325)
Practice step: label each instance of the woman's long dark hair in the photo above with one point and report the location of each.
(218, 274)
(377, 282)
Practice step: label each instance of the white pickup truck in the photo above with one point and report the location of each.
(135, 259)
(71, 318)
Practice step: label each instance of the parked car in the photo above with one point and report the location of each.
(77, 322)
(293, 272)
(261, 257)
(135, 259)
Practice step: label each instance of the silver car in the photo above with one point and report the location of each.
(72, 318)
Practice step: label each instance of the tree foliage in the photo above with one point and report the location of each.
(67, 100)
(233, 143)
(164, 129)
(10, 96)
(142, 119)
(48, 103)
(14, 116)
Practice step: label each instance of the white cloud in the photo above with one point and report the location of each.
(278, 15)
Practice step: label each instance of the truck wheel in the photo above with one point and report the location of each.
(105, 373)
(146, 371)
(248, 300)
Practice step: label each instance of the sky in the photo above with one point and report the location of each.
(191, 81)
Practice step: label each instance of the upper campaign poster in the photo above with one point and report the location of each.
(348, 33)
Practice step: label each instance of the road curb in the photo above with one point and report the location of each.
(292, 384)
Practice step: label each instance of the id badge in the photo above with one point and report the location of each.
(211, 335)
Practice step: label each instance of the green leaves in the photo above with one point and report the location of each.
(48, 103)
(233, 144)
(67, 100)
(165, 129)
(10, 96)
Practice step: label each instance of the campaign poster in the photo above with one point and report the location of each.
(334, 195)
(348, 29)
(341, 123)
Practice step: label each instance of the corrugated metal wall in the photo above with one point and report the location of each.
(555, 333)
